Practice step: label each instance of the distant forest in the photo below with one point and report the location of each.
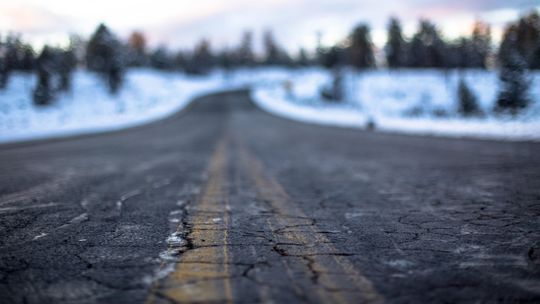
(109, 56)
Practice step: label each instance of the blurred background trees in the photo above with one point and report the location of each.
(514, 82)
(108, 56)
(396, 46)
(105, 55)
(46, 66)
(361, 48)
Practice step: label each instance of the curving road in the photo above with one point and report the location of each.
(224, 203)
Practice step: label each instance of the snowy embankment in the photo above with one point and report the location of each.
(145, 96)
(419, 102)
(410, 101)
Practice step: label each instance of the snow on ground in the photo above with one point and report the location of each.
(146, 96)
(411, 101)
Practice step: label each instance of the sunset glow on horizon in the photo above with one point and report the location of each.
(180, 24)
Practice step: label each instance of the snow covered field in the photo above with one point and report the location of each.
(146, 96)
(422, 102)
(411, 101)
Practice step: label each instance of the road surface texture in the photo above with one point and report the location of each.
(224, 203)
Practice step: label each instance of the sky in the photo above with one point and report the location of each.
(295, 23)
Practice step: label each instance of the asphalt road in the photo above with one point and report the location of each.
(224, 203)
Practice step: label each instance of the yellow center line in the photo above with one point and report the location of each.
(340, 280)
(202, 274)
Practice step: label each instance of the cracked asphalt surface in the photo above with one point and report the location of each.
(224, 203)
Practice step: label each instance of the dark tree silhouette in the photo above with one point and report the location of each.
(535, 62)
(161, 59)
(273, 53)
(66, 65)
(6, 58)
(468, 104)
(528, 37)
(27, 60)
(227, 59)
(4, 72)
(427, 47)
(302, 59)
(137, 49)
(203, 60)
(104, 55)
(460, 55)
(181, 60)
(332, 57)
(246, 56)
(396, 46)
(513, 94)
(44, 93)
(361, 49)
(480, 47)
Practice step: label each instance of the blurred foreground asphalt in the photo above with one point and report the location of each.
(224, 203)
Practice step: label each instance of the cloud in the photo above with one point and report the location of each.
(180, 23)
(31, 19)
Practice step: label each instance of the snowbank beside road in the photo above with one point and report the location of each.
(275, 101)
(411, 101)
(419, 102)
(146, 96)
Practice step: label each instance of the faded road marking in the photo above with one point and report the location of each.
(339, 279)
(202, 274)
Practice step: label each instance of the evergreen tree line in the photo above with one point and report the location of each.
(427, 48)
(106, 55)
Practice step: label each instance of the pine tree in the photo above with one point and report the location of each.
(361, 49)
(396, 45)
(528, 36)
(203, 59)
(480, 45)
(302, 59)
(13, 45)
(66, 65)
(468, 104)
(464, 54)
(514, 83)
(137, 48)
(161, 60)
(4, 74)
(427, 49)
(44, 93)
(226, 60)
(181, 60)
(245, 55)
(104, 55)
(332, 57)
(4, 71)
(535, 62)
(273, 53)
(417, 55)
(28, 58)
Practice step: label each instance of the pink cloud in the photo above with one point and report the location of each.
(31, 19)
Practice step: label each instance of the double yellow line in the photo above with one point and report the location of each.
(202, 275)
(338, 279)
